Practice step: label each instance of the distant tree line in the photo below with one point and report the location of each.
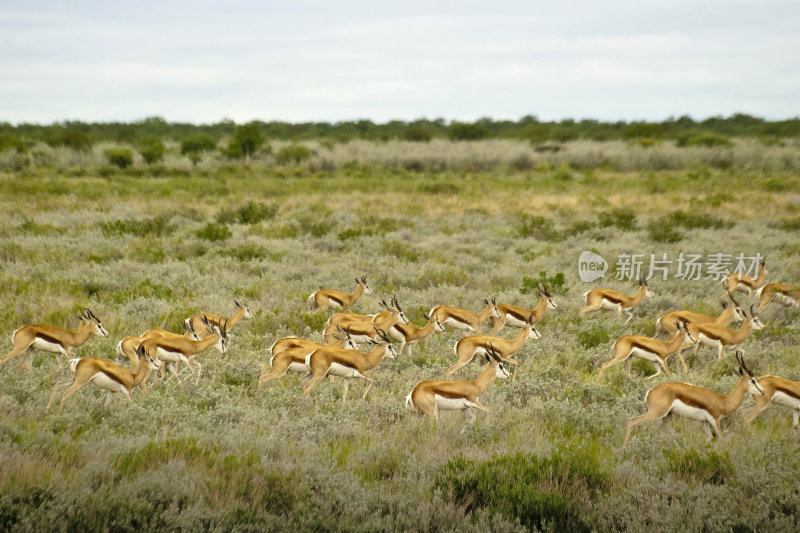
(244, 140)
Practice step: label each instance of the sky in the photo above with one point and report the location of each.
(201, 61)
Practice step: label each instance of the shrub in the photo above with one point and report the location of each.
(663, 233)
(292, 154)
(521, 486)
(197, 144)
(153, 151)
(539, 228)
(149, 226)
(120, 157)
(707, 139)
(623, 218)
(417, 134)
(710, 467)
(463, 131)
(11, 142)
(246, 140)
(554, 284)
(250, 213)
(595, 335)
(214, 232)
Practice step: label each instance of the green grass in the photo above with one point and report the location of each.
(146, 249)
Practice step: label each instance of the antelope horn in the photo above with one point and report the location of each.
(237, 303)
(92, 315)
(494, 300)
(426, 317)
(364, 280)
(382, 334)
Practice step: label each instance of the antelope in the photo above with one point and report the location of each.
(467, 347)
(362, 332)
(195, 322)
(719, 336)
(342, 318)
(428, 397)
(409, 334)
(325, 298)
(696, 403)
(781, 292)
(654, 350)
(463, 319)
(610, 299)
(740, 282)
(104, 374)
(669, 322)
(173, 350)
(780, 391)
(126, 348)
(515, 316)
(347, 364)
(289, 355)
(53, 339)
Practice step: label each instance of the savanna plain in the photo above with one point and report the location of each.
(444, 222)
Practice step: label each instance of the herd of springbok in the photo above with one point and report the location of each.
(346, 333)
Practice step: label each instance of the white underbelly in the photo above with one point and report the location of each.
(343, 371)
(298, 367)
(43, 345)
(515, 322)
(168, 356)
(452, 404)
(607, 304)
(695, 413)
(104, 382)
(708, 341)
(396, 334)
(457, 324)
(783, 399)
(644, 354)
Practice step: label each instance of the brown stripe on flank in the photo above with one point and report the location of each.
(337, 300)
(612, 299)
(787, 392)
(518, 316)
(48, 338)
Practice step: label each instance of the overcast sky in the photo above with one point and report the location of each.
(201, 61)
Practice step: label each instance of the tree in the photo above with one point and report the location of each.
(121, 157)
(152, 151)
(246, 140)
(195, 145)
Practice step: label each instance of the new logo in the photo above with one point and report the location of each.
(591, 266)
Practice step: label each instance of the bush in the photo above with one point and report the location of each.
(711, 467)
(11, 142)
(250, 213)
(292, 154)
(539, 228)
(464, 131)
(596, 335)
(417, 134)
(707, 139)
(246, 140)
(140, 228)
(662, 232)
(553, 284)
(521, 486)
(153, 151)
(120, 157)
(214, 232)
(622, 218)
(195, 145)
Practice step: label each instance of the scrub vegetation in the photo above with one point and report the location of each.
(145, 245)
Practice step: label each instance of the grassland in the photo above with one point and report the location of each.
(147, 247)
